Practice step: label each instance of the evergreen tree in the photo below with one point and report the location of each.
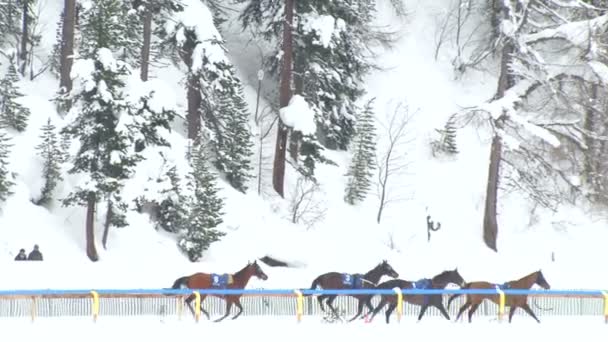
(172, 211)
(10, 21)
(52, 155)
(6, 177)
(205, 208)
(447, 137)
(12, 113)
(364, 154)
(99, 113)
(235, 147)
(328, 73)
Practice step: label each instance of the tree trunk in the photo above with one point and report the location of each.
(193, 117)
(298, 82)
(24, 38)
(278, 171)
(90, 228)
(67, 44)
(106, 226)
(490, 220)
(145, 50)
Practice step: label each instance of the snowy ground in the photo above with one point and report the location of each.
(287, 329)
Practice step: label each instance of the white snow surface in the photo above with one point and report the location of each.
(348, 239)
(309, 329)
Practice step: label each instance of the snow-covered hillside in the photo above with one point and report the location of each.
(450, 189)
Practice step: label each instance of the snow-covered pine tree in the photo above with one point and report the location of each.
(6, 177)
(52, 156)
(364, 154)
(98, 117)
(327, 72)
(172, 210)
(10, 20)
(54, 62)
(213, 94)
(12, 113)
(147, 119)
(205, 208)
(447, 137)
(234, 147)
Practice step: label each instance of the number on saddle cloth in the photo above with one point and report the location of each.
(352, 280)
(221, 280)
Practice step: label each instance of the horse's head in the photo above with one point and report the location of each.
(541, 281)
(444, 278)
(257, 270)
(387, 269)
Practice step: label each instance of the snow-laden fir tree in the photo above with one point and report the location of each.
(98, 118)
(235, 146)
(52, 156)
(447, 137)
(172, 209)
(331, 56)
(204, 210)
(214, 99)
(10, 21)
(362, 164)
(6, 176)
(12, 113)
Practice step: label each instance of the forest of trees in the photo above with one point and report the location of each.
(102, 44)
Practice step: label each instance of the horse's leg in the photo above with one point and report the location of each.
(472, 311)
(188, 301)
(512, 311)
(237, 302)
(375, 311)
(203, 309)
(320, 300)
(330, 302)
(359, 309)
(422, 311)
(442, 309)
(463, 308)
(389, 311)
(529, 311)
(228, 307)
(370, 307)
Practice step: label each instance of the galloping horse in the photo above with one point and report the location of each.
(513, 301)
(439, 281)
(337, 280)
(237, 280)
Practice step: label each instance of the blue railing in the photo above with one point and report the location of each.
(305, 292)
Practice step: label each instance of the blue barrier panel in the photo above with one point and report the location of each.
(306, 292)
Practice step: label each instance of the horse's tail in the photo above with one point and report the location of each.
(456, 295)
(314, 285)
(179, 283)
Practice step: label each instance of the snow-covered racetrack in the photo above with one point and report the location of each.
(283, 329)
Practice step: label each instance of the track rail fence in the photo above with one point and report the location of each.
(141, 302)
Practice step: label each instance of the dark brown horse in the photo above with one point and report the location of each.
(513, 301)
(237, 280)
(439, 281)
(337, 280)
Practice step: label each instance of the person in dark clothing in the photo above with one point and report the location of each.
(35, 254)
(21, 256)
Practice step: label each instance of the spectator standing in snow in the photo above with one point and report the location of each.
(21, 256)
(35, 254)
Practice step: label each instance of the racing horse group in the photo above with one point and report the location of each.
(368, 280)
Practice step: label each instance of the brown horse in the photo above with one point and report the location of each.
(513, 301)
(439, 281)
(237, 280)
(337, 280)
